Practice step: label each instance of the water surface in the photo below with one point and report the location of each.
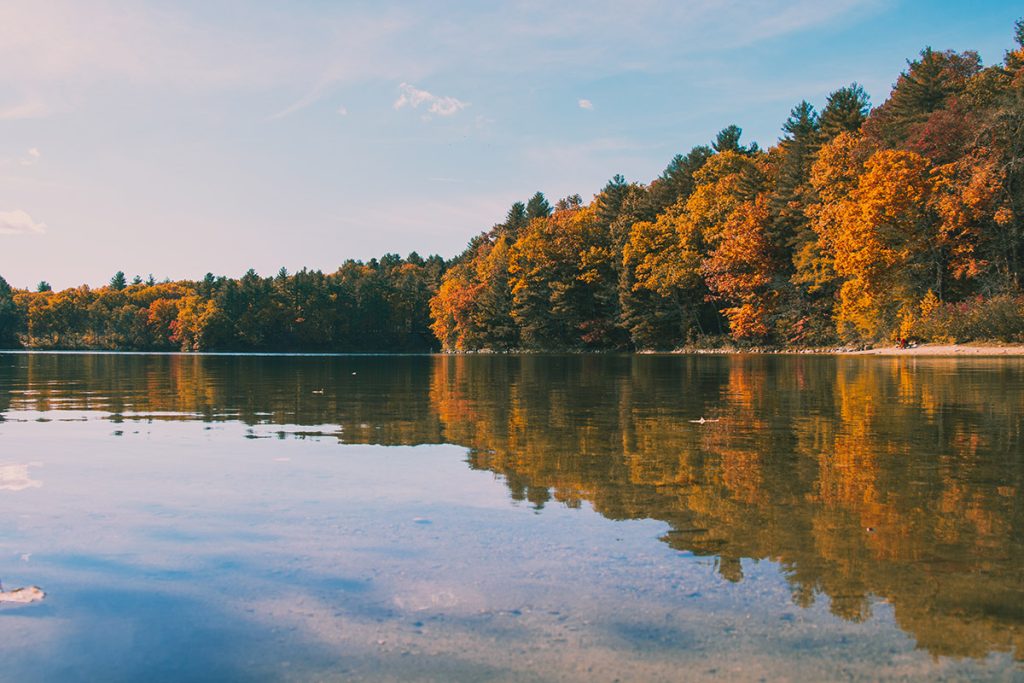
(537, 518)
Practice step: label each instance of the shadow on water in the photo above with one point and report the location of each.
(899, 478)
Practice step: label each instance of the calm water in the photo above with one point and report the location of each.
(511, 518)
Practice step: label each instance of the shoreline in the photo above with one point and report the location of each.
(931, 350)
(947, 350)
(980, 349)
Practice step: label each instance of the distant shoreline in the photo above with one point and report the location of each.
(934, 350)
(981, 349)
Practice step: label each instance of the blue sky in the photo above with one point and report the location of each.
(177, 138)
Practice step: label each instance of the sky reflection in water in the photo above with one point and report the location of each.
(219, 518)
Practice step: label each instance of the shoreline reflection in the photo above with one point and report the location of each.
(899, 478)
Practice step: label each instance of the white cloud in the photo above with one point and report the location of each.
(412, 96)
(31, 158)
(18, 222)
(343, 110)
(586, 104)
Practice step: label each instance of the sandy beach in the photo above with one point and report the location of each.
(946, 350)
(937, 350)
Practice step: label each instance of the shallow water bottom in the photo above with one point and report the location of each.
(183, 551)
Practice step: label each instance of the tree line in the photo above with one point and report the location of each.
(379, 305)
(859, 225)
(905, 221)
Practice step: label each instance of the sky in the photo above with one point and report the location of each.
(179, 138)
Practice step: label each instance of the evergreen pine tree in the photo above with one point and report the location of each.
(516, 219)
(792, 193)
(676, 181)
(609, 200)
(728, 140)
(845, 111)
(10, 320)
(537, 207)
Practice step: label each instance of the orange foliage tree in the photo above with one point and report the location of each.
(886, 243)
(740, 270)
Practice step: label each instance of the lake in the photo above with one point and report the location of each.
(511, 518)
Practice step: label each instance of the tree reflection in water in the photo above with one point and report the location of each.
(899, 478)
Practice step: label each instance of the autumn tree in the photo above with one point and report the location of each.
(741, 268)
(834, 175)
(886, 244)
(928, 85)
(451, 309)
(662, 262)
(197, 325)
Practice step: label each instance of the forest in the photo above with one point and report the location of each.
(363, 307)
(860, 225)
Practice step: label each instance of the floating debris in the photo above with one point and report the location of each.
(22, 596)
(704, 421)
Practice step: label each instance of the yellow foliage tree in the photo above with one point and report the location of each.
(885, 243)
(195, 322)
(452, 308)
(834, 176)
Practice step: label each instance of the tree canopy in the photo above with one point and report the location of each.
(858, 225)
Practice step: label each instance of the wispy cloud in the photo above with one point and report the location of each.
(585, 104)
(18, 222)
(579, 38)
(31, 157)
(342, 110)
(27, 109)
(53, 52)
(412, 96)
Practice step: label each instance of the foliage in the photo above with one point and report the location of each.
(380, 305)
(996, 318)
(840, 230)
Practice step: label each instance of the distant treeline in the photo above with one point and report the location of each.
(859, 225)
(379, 305)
